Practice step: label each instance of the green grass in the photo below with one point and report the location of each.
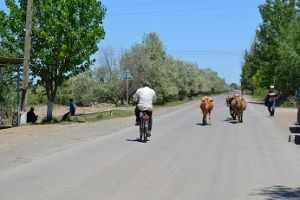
(176, 103)
(93, 117)
(122, 111)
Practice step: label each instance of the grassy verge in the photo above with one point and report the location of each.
(93, 117)
(122, 111)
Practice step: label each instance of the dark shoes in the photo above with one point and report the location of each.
(137, 123)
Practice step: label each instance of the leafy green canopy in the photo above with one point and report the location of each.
(64, 36)
(274, 54)
(172, 79)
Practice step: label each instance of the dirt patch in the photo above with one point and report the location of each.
(284, 117)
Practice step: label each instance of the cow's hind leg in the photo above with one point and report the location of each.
(240, 117)
(241, 121)
(204, 122)
(209, 118)
(232, 113)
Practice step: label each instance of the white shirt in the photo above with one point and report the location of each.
(145, 97)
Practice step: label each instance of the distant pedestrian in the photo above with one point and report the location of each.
(72, 110)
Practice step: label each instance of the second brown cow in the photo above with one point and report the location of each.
(239, 105)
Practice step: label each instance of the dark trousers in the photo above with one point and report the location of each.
(138, 118)
(271, 107)
(66, 116)
(137, 114)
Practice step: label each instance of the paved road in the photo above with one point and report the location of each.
(183, 161)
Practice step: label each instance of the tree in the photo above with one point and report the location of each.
(64, 36)
(8, 74)
(250, 66)
(172, 79)
(272, 58)
(277, 16)
(288, 73)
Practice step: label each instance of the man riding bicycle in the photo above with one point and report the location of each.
(144, 97)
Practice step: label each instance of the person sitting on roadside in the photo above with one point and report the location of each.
(72, 107)
(71, 112)
(31, 116)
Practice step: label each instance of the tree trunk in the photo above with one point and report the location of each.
(49, 110)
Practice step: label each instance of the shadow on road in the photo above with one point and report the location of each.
(228, 119)
(136, 140)
(5, 127)
(256, 102)
(295, 129)
(279, 192)
(201, 124)
(133, 140)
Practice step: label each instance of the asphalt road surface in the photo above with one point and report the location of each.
(182, 161)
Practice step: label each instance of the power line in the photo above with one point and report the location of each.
(192, 10)
(149, 3)
(192, 53)
(204, 52)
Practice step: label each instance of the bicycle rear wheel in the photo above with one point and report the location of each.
(146, 128)
(141, 129)
(15, 120)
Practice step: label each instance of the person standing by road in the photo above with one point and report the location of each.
(270, 100)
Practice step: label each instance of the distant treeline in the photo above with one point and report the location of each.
(171, 79)
(65, 35)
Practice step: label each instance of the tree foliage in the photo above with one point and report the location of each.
(64, 36)
(8, 74)
(171, 79)
(274, 56)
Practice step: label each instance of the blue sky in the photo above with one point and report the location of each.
(212, 33)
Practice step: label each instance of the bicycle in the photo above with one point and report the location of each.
(3, 118)
(15, 119)
(145, 126)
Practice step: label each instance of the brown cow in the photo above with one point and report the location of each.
(206, 105)
(239, 105)
(228, 103)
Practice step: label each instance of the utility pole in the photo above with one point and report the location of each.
(127, 76)
(27, 47)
